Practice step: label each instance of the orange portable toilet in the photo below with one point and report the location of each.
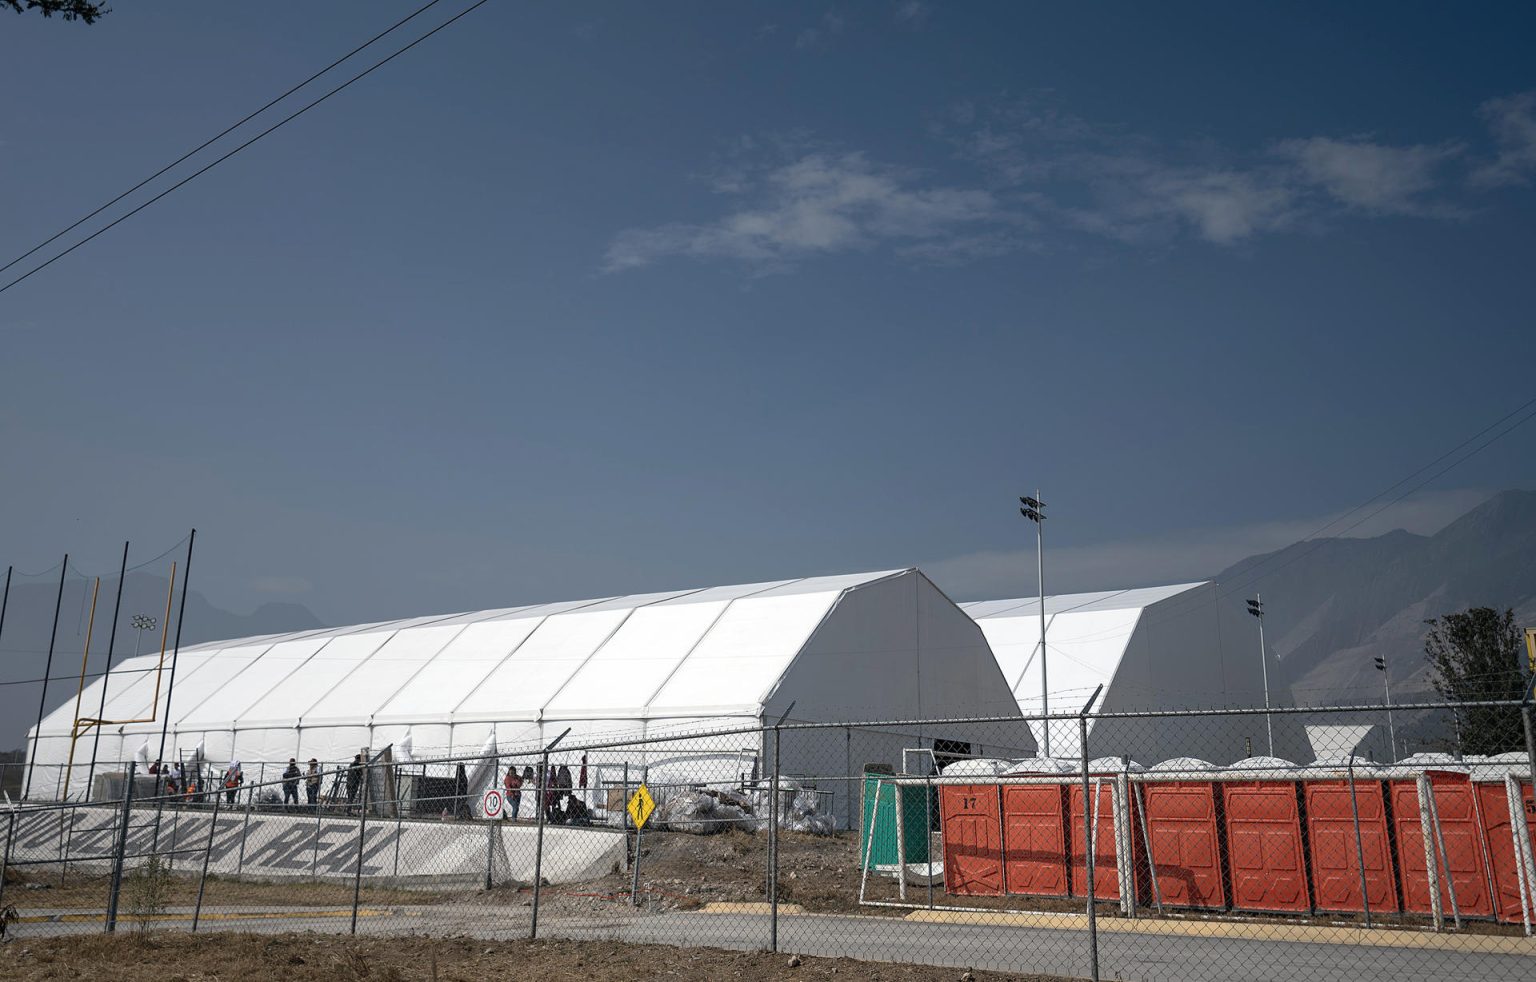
(1034, 831)
(1262, 811)
(1184, 847)
(1460, 829)
(1336, 853)
(971, 824)
(1107, 837)
(1490, 782)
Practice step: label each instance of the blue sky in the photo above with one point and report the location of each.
(571, 301)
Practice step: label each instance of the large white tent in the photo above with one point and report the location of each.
(1160, 648)
(883, 646)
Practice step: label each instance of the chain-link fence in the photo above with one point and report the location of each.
(1293, 843)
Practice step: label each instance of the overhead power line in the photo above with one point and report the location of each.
(219, 160)
(221, 134)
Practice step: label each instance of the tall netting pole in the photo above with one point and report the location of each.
(170, 687)
(106, 678)
(42, 699)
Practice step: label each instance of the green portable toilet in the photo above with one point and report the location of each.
(882, 814)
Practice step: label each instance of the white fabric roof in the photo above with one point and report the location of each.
(1086, 639)
(690, 653)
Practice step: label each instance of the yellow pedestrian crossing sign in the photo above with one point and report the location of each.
(641, 804)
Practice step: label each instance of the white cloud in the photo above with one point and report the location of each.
(1370, 176)
(820, 203)
(1040, 175)
(820, 36)
(1178, 557)
(912, 13)
(1513, 123)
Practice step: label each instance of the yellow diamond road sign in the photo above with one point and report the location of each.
(641, 804)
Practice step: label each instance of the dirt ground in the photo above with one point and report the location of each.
(678, 871)
(315, 958)
(34, 887)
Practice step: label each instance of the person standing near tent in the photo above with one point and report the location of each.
(173, 781)
(563, 793)
(233, 778)
(354, 781)
(312, 779)
(291, 777)
(513, 782)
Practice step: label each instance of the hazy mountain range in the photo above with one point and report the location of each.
(1332, 605)
(29, 619)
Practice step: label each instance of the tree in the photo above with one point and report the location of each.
(66, 9)
(1477, 656)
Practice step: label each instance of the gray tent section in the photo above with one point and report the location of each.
(1160, 648)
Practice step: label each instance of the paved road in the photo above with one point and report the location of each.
(982, 946)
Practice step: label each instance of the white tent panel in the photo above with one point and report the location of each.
(459, 669)
(542, 664)
(636, 660)
(221, 674)
(390, 668)
(224, 707)
(290, 697)
(751, 645)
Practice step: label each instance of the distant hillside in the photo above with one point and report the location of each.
(29, 619)
(1333, 605)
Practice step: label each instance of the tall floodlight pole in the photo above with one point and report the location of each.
(1386, 682)
(142, 623)
(1256, 608)
(1034, 510)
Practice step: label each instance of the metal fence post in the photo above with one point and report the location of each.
(490, 847)
(5, 864)
(362, 838)
(122, 849)
(927, 836)
(773, 837)
(634, 868)
(245, 829)
(1354, 810)
(213, 828)
(773, 848)
(538, 848)
(1088, 812)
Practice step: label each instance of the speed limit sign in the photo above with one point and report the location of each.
(490, 804)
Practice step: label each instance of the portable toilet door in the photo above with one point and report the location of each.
(970, 818)
(1104, 779)
(877, 830)
(1507, 853)
(1264, 836)
(1034, 840)
(1336, 853)
(1184, 847)
(1454, 804)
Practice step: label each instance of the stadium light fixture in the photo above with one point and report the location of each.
(1386, 681)
(1256, 608)
(142, 623)
(1034, 510)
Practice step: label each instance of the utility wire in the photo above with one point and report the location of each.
(221, 134)
(219, 160)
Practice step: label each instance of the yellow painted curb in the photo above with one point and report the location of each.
(1254, 931)
(218, 916)
(732, 907)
